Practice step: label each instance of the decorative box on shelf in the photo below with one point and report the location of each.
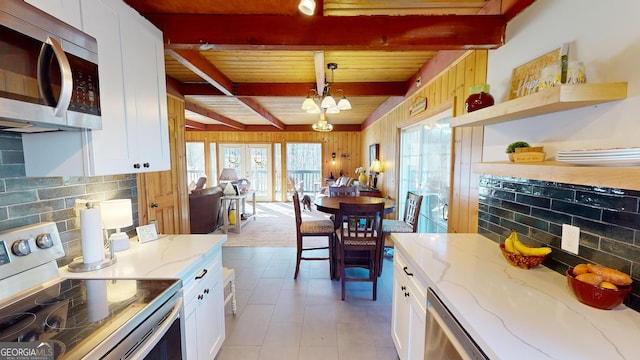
(528, 154)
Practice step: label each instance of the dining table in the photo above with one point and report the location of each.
(331, 205)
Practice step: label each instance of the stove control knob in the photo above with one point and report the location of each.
(21, 247)
(44, 241)
(33, 335)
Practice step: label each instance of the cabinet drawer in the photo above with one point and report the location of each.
(411, 279)
(210, 276)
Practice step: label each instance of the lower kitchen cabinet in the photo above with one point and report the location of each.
(204, 309)
(408, 318)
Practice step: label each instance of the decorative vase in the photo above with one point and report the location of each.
(479, 98)
(362, 179)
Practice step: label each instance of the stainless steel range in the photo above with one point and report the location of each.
(82, 318)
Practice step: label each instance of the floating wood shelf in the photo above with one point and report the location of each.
(559, 98)
(621, 177)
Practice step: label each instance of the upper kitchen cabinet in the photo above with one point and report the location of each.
(65, 10)
(135, 134)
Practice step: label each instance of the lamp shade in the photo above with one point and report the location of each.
(228, 174)
(328, 102)
(116, 214)
(376, 166)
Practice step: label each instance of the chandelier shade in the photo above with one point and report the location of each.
(315, 101)
(307, 7)
(322, 125)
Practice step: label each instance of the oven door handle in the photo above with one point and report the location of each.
(152, 341)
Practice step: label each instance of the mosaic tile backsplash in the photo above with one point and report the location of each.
(609, 221)
(29, 200)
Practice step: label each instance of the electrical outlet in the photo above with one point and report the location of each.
(570, 238)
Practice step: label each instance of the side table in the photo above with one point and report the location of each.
(240, 202)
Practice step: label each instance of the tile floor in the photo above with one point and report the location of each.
(282, 318)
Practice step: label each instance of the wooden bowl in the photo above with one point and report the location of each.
(596, 296)
(521, 261)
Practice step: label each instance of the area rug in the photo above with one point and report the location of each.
(274, 225)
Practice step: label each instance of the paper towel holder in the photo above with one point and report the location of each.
(78, 264)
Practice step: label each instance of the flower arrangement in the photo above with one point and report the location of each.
(360, 170)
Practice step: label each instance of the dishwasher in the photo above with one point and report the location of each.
(445, 338)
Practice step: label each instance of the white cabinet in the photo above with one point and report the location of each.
(408, 318)
(204, 309)
(65, 10)
(135, 131)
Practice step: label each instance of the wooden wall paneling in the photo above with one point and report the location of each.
(336, 141)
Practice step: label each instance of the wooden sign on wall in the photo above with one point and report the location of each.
(418, 106)
(526, 78)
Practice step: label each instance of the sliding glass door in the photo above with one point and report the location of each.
(427, 171)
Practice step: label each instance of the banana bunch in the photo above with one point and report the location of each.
(513, 245)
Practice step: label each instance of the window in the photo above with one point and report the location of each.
(427, 172)
(304, 166)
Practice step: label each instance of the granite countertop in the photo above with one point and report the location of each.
(170, 256)
(514, 313)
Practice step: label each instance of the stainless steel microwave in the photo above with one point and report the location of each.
(48, 73)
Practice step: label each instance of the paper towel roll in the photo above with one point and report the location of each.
(91, 232)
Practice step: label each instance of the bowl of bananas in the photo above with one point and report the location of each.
(521, 255)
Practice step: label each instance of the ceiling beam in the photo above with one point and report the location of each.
(318, 64)
(197, 63)
(258, 109)
(398, 88)
(377, 32)
(191, 106)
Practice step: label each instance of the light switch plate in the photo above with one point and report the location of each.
(570, 238)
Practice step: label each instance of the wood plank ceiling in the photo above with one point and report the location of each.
(249, 64)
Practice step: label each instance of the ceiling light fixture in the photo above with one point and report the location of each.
(322, 125)
(307, 7)
(315, 102)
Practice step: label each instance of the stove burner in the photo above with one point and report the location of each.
(11, 325)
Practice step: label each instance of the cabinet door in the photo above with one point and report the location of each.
(416, 326)
(400, 315)
(110, 149)
(67, 11)
(145, 92)
(210, 322)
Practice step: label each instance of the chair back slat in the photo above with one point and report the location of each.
(412, 210)
(341, 191)
(361, 221)
(296, 207)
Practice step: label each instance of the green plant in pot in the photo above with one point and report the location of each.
(512, 148)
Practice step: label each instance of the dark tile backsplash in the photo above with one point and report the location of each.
(29, 200)
(609, 221)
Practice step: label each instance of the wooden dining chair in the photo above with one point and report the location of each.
(408, 224)
(312, 228)
(359, 242)
(341, 191)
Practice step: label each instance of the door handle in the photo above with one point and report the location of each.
(50, 48)
(154, 205)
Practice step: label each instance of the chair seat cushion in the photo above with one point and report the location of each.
(349, 242)
(395, 226)
(317, 227)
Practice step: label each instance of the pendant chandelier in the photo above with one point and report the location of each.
(315, 103)
(322, 125)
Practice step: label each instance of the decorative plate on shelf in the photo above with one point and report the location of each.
(601, 157)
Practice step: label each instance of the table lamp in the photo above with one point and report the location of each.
(230, 176)
(375, 169)
(117, 214)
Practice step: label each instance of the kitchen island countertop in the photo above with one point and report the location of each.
(514, 313)
(170, 256)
